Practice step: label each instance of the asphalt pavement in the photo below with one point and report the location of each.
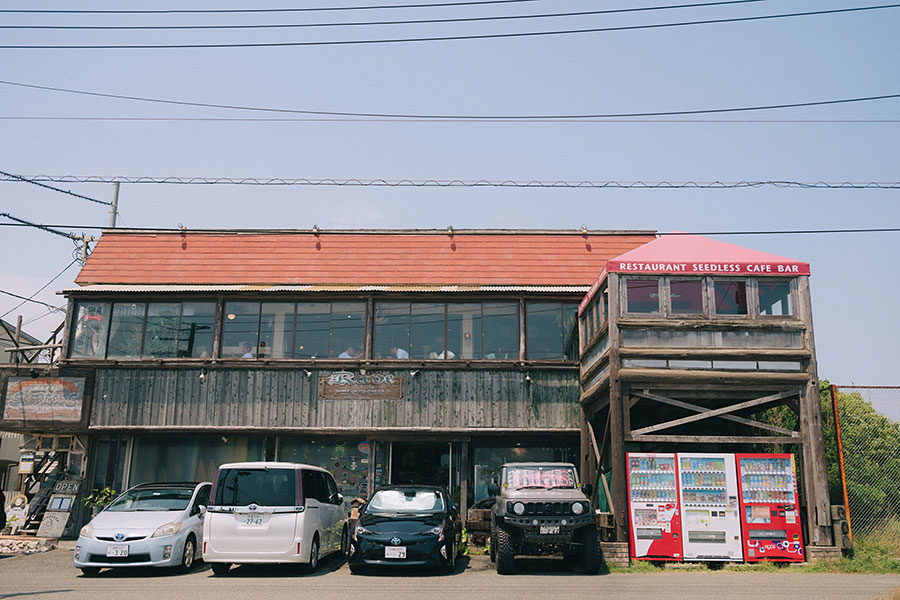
(51, 575)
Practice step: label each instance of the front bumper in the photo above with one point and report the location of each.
(420, 550)
(145, 552)
(531, 526)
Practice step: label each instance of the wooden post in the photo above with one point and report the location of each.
(840, 450)
(616, 414)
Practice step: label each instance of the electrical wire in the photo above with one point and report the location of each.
(263, 10)
(11, 176)
(583, 13)
(47, 228)
(404, 120)
(704, 111)
(24, 299)
(605, 233)
(444, 38)
(472, 183)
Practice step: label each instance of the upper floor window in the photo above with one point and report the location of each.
(435, 330)
(142, 329)
(642, 296)
(686, 296)
(551, 331)
(774, 297)
(293, 329)
(730, 297)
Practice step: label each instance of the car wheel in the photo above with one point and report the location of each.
(493, 545)
(220, 568)
(345, 543)
(506, 553)
(590, 558)
(451, 557)
(355, 568)
(187, 557)
(313, 555)
(90, 571)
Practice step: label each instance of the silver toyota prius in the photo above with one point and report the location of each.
(148, 525)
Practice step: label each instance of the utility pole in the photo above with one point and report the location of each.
(114, 207)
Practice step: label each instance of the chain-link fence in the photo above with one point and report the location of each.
(864, 430)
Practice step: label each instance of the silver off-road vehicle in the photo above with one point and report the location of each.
(541, 509)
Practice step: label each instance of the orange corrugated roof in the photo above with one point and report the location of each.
(233, 257)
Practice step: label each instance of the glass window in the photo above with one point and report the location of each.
(642, 296)
(185, 458)
(406, 501)
(126, 330)
(265, 487)
(488, 457)
(313, 322)
(731, 297)
(550, 330)
(240, 332)
(464, 329)
(195, 334)
(500, 321)
(89, 336)
(774, 297)
(686, 296)
(276, 330)
(348, 329)
(347, 459)
(391, 330)
(162, 329)
(426, 331)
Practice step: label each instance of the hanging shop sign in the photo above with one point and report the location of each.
(374, 386)
(44, 399)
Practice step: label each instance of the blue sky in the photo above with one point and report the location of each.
(791, 60)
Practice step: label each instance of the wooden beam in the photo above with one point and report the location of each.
(713, 439)
(672, 376)
(780, 354)
(593, 439)
(705, 413)
(718, 324)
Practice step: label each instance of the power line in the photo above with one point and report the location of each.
(405, 120)
(30, 298)
(263, 10)
(445, 38)
(471, 183)
(47, 228)
(11, 176)
(626, 115)
(583, 13)
(612, 233)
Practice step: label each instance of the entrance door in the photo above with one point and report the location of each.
(420, 463)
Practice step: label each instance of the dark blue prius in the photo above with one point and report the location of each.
(407, 525)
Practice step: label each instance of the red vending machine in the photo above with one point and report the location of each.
(655, 524)
(770, 512)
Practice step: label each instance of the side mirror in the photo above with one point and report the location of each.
(340, 499)
(202, 510)
(493, 489)
(587, 489)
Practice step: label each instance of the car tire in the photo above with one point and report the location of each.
(313, 563)
(187, 555)
(345, 543)
(221, 568)
(354, 568)
(493, 545)
(90, 571)
(591, 554)
(451, 557)
(506, 553)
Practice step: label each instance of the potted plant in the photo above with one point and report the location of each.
(99, 499)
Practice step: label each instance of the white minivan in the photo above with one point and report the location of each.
(273, 512)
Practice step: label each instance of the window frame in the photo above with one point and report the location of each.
(792, 297)
(661, 288)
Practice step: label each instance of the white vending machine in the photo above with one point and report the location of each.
(710, 512)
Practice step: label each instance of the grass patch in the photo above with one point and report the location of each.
(873, 552)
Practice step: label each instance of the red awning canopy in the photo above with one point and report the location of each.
(684, 254)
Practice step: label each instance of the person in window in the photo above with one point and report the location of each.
(350, 352)
(399, 352)
(443, 354)
(245, 350)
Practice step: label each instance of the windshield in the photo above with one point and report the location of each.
(265, 487)
(539, 477)
(406, 501)
(152, 500)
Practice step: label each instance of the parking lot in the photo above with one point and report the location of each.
(51, 575)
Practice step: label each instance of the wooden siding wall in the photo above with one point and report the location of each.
(274, 399)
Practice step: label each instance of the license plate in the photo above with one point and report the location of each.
(395, 551)
(253, 521)
(117, 550)
(549, 529)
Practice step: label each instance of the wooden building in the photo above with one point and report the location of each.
(384, 356)
(691, 344)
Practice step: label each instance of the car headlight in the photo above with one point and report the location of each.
(87, 531)
(519, 508)
(577, 508)
(360, 530)
(167, 529)
(438, 531)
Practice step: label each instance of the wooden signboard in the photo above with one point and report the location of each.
(44, 399)
(377, 386)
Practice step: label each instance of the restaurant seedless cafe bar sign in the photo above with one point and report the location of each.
(44, 399)
(375, 386)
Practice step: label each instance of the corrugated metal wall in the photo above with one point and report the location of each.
(450, 400)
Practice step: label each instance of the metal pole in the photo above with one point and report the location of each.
(840, 448)
(114, 207)
(18, 338)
